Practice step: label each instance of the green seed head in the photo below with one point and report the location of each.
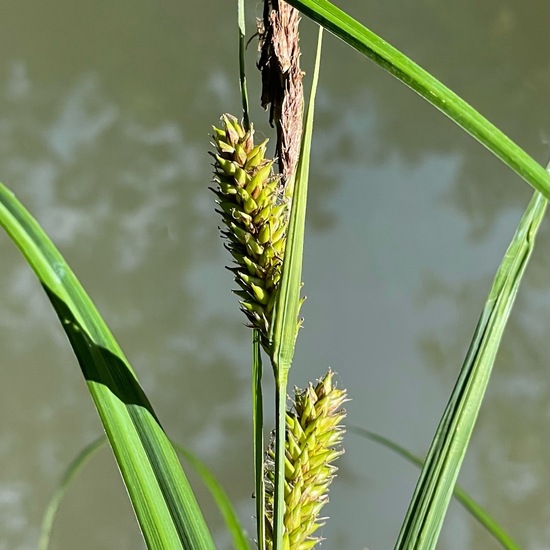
(255, 215)
(314, 435)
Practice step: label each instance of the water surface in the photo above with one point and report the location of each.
(105, 114)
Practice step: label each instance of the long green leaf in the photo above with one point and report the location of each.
(258, 437)
(257, 369)
(399, 65)
(238, 535)
(462, 496)
(242, 71)
(234, 527)
(74, 467)
(429, 503)
(165, 505)
(287, 304)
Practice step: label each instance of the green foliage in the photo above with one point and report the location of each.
(164, 503)
(256, 213)
(234, 527)
(288, 302)
(399, 65)
(480, 514)
(71, 471)
(434, 488)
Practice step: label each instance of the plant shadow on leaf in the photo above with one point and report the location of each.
(109, 369)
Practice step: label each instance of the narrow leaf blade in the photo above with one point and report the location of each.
(240, 542)
(462, 496)
(70, 473)
(432, 90)
(164, 503)
(287, 303)
(434, 488)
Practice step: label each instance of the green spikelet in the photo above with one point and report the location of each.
(313, 437)
(255, 215)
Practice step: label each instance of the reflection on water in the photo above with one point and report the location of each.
(104, 121)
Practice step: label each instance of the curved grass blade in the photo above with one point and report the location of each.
(399, 65)
(287, 304)
(240, 541)
(481, 515)
(258, 439)
(433, 491)
(53, 506)
(165, 505)
(257, 370)
(242, 70)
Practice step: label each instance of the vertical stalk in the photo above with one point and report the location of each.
(242, 70)
(257, 396)
(258, 424)
(287, 306)
(280, 432)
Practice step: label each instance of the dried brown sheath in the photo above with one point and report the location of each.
(282, 89)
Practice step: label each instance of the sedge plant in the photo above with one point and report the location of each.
(264, 214)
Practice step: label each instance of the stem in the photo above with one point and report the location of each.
(257, 396)
(242, 69)
(280, 432)
(258, 423)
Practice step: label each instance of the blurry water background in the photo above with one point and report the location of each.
(105, 114)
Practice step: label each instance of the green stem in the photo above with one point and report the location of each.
(287, 306)
(258, 421)
(242, 69)
(257, 396)
(280, 431)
